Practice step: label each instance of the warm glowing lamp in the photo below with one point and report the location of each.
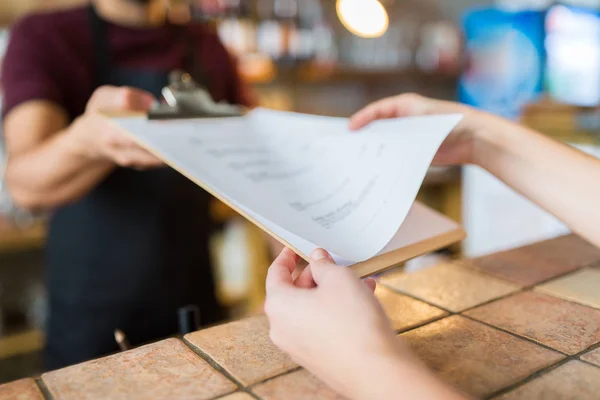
(364, 18)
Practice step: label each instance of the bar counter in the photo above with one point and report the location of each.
(520, 324)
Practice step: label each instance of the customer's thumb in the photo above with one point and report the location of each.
(322, 265)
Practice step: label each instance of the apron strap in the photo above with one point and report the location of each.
(99, 30)
(103, 58)
(190, 62)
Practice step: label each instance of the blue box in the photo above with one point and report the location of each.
(506, 57)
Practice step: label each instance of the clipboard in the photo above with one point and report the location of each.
(187, 100)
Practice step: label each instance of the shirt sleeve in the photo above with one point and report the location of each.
(29, 69)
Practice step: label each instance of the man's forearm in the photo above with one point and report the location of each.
(53, 174)
(560, 179)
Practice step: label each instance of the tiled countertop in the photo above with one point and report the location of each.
(522, 324)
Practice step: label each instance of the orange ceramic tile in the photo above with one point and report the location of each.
(541, 261)
(582, 287)
(521, 266)
(406, 312)
(450, 286)
(24, 389)
(560, 324)
(592, 357)
(163, 370)
(567, 250)
(572, 381)
(237, 396)
(299, 385)
(244, 349)
(476, 358)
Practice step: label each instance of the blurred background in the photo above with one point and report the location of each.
(535, 61)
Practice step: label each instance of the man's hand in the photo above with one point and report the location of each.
(98, 139)
(459, 147)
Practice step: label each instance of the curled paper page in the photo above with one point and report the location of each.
(305, 178)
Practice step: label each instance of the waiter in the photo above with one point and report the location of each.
(128, 240)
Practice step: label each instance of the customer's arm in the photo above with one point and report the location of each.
(330, 322)
(562, 180)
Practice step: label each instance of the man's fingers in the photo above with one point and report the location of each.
(135, 158)
(135, 99)
(280, 272)
(111, 99)
(127, 153)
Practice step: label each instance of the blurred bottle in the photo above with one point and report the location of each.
(36, 305)
(237, 30)
(270, 36)
(286, 13)
(439, 48)
(302, 42)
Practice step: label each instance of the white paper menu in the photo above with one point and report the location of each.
(307, 179)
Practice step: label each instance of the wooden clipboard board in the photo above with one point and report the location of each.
(363, 269)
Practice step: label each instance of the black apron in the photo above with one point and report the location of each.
(131, 252)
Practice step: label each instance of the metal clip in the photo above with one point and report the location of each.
(186, 99)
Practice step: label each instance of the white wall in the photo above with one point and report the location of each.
(496, 218)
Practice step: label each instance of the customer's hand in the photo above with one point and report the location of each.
(458, 149)
(337, 330)
(330, 323)
(99, 139)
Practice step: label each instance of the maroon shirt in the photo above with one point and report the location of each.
(51, 57)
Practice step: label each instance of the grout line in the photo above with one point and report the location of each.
(472, 266)
(544, 371)
(245, 390)
(274, 377)
(592, 347)
(589, 350)
(421, 324)
(43, 388)
(241, 387)
(252, 394)
(212, 363)
(561, 276)
(412, 296)
(485, 273)
(515, 335)
(450, 312)
(590, 364)
(559, 297)
(522, 289)
(532, 377)
(502, 297)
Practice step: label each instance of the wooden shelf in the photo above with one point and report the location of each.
(21, 343)
(13, 239)
(563, 122)
(320, 74)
